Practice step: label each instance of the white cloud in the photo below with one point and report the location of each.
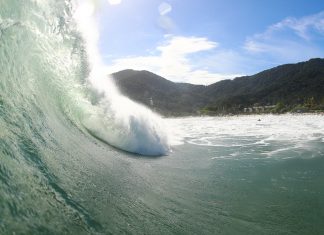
(291, 39)
(199, 60)
(178, 46)
(164, 21)
(172, 61)
(164, 8)
(114, 2)
(167, 24)
(302, 27)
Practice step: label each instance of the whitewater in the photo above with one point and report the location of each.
(76, 157)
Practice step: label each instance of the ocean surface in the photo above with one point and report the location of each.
(78, 158)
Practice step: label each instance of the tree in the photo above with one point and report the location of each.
(279, 107)
(310, 103)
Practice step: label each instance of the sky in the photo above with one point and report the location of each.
(205, 41)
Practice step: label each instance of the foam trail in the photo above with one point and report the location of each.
(115, 119)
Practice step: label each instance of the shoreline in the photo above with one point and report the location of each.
(244, 114)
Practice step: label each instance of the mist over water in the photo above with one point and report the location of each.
(59, 116)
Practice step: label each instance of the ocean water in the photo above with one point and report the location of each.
(78, 158)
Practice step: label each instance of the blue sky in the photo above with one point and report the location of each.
(204, 41)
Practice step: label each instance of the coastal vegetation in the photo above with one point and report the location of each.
(294, 88)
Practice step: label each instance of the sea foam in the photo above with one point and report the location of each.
(116, 119)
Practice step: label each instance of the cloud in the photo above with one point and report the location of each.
(164, 8)
(291, 39)
(164, 21)
(199, 60)
(178, 46)
(304, 27)
(172, 61)
(114, 2)
(167, 24)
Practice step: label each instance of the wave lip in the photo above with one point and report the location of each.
(114, 118)
(128, 126)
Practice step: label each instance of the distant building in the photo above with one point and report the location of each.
(258, 109)
(151, 101)
(248, 110)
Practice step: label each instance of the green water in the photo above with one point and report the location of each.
(56, 178)
(96, 190)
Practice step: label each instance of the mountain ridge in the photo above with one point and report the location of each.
(294, 86)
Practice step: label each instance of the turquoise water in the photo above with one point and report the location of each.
(86, 187)
(230, 175)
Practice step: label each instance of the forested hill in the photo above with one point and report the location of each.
(291, 87)
(168, 98)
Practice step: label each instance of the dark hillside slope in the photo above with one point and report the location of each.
(291, 85)
(169, 98)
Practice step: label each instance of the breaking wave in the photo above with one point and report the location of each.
(51, 72)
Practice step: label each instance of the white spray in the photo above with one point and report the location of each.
(116, 119)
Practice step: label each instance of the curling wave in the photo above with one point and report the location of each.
(50, 66)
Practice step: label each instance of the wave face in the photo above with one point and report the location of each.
(53, 109)
(51, 70)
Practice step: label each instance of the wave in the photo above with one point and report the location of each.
(51, 70)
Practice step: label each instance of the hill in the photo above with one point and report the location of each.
(168, 98)
(290, 87)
